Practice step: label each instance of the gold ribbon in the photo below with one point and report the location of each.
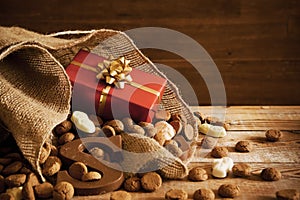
(114, 72)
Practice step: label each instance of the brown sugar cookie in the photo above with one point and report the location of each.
(197, 174)
(204, 194)
(176, 194)
(120, 195)
(270, 174)
(151, 181)
(132, 184)
(273, 135)
(77, 170)
(243, 146)
(241, 170)
(63, 191)
(229, 190)
(288, 194)
(44, 190)
(219, 152)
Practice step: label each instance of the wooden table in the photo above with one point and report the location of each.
(247, 123)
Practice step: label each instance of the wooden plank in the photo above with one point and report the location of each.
(251, 188)
(263, 151)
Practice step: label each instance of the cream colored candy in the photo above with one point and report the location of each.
(211, 130)
(82, 122)
(221, 167)
(165, 129)
(16, 192)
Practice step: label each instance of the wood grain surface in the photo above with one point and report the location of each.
(255, 44)
(283, 155)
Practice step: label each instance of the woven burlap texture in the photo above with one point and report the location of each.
(35, 92)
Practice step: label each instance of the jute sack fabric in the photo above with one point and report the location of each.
(35, 92)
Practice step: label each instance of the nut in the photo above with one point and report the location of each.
(176, 194)
(54, 151)
(132, 184)
(12, 168)
(82, 122)
(177, 125)
(162, 115)
(63, 191)
(16, 193)
(241, 170)
(5, 161)
(165, 129)
(51, 166)
(136, 129)
(91, 176)
(219, 152)
(28, 192)
(273, 135)
(33, 179)
(221, 167)
(229, 191)
(270, 174)
(197, 174)
(288, 194)
(108, 131)
(151, 181)
(15, 180)
(66, 137)
(211, 130)
(177, 116)
(243, 146)
(44, 190)
(63, 127)
(45, 152)
(77, 170)
(204, 194)
(120, 195)
(97, 152)
(116, 124)
(200, 116)
(127, 122)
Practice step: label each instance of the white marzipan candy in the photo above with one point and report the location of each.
(211, 130)
(16, 192)
(82, 122)
(165, 129)
(221, 167)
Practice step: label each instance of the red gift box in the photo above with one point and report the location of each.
(138, 100)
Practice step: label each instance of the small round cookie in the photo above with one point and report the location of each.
(63, 191)
(241, 170)
(204, 194)
(243, 146)
(77, 170)
(229, 190)
(197, 174)
(176, 194)
(132, 184)
(288, 194)
(219, 152)
(44, 190)
(91, 176)
(151, 181)
(273, 135)
(270, 174)
(120, 195)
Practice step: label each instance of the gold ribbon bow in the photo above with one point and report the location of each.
(115, 71)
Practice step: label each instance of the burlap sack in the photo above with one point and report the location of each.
(35, 91)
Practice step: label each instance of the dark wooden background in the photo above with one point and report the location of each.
(254, 43)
